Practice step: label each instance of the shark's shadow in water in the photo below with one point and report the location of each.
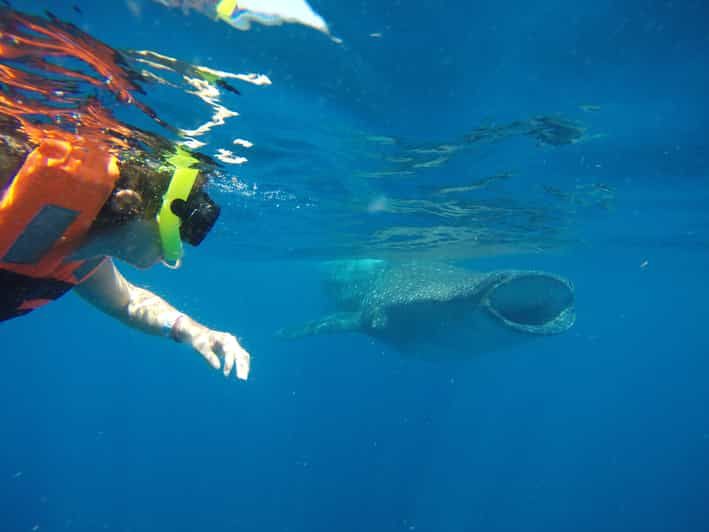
(434, 310)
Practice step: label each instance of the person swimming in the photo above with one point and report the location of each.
(78, 188)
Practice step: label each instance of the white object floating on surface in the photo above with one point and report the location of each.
(241, 13)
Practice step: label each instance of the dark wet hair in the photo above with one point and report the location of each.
(144, 179)
(144, 174)
(13, 150)
(138, 194)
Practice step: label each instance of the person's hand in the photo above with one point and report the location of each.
(213, 345)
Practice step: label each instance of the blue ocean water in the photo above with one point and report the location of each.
(602, 428)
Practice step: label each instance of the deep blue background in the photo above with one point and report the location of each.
(603, 428)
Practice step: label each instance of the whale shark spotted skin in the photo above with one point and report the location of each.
(434, 310)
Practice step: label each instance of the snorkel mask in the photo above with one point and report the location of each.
(184, 214)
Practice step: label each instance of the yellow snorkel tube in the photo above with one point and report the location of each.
(183, 179)
(226, 8)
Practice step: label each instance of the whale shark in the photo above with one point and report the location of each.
(436, 310)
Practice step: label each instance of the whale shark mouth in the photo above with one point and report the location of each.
(536, 303)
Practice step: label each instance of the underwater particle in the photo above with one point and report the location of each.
(376, 35)
(134, 8)
(380, 139)
(18, 474)
(589, 108)
(379, 204)
(35, 528)
(644, 264)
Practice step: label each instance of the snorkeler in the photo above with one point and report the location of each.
(79, 188)
(70, 208)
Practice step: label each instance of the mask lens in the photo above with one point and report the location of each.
(198, 215)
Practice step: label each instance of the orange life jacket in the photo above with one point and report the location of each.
(45, 215)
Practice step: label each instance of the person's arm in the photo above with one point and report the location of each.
(109, 291)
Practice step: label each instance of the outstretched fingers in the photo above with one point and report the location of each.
(205, 348)
(213, 345)
(234, 356)
(228, 362)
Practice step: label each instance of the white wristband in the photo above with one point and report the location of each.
(168, 321)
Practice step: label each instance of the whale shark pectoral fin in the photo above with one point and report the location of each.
(333, 323)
